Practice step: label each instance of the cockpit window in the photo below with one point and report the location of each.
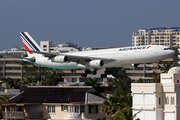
(167, 49)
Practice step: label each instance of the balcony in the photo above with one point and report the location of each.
(22, 115)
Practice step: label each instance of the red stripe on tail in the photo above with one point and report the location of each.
(27, 48)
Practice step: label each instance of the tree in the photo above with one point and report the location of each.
(122, 73)
(52, 77)
(118, 106)
(92, 82)
(10, 83)
(155, 77)
(140, 80)
(124, 114)
(165, 67)
(3, 100)
(110, 106)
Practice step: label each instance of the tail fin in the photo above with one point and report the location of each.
(29, 43)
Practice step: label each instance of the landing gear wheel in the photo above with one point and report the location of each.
(94, 72)
(103, 75)
(87, 71)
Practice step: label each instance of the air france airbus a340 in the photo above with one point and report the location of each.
(91, 60)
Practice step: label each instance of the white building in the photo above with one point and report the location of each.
(78, 79)
(158, 101)
(47, 46)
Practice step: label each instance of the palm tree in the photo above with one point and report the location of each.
(93, 83)
(110, 106)
(155, 77)
(124, 114)
(165, 67)
(52, 77)
(122, 73)
(3, 100)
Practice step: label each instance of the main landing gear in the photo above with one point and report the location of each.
(94, 72)
(87, 71)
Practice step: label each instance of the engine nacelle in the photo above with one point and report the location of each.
(96, 63)
(60, 59)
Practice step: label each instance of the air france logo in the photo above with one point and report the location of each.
(134, 48)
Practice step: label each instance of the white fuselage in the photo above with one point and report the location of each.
(121, 56)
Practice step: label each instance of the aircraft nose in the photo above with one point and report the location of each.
(173, 52)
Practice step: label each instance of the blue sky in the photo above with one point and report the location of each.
(84, 22)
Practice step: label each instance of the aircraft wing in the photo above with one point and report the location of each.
(71, 58)
(86, 57)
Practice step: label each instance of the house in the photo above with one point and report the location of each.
(8, 93)
(78, 79)
(158, 101)
(55, 103)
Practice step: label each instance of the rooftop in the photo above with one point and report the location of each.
(52, 94)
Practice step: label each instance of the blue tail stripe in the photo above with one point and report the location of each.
(24, 35)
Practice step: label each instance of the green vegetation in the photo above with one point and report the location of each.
(3, 100)
(119, 103)
(165, 67)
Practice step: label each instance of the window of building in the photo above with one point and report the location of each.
(16, 108)
(1, 62)
(71, 109)
(9, 68)
(159, 100)
(172, 100)
(83, 79)
(1, 68)
(93, 109)
(82, 108)
(1, 74)
(177, 81)
(51, 108)
(65, 107)
(9, 74)
(16, 62)
(167, 100)
(18, 74)
(76, 108)
(17, 68)
(9, 62)
(44, 46)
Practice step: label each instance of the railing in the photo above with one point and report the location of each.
(13, 115)
(22, 115)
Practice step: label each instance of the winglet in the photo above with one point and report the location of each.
(18, 47)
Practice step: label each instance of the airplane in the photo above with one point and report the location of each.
(94, 59)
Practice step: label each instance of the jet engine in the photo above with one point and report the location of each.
(96, 63)
(60, 59)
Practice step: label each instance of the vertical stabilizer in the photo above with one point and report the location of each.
(29, 43)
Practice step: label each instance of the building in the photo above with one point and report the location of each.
(8, 93)
(158, 101)
(72, 79)
(11, 67)
(157, 36)
(55, 103)
(45, 45)
(59, 48)
(154, 36)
